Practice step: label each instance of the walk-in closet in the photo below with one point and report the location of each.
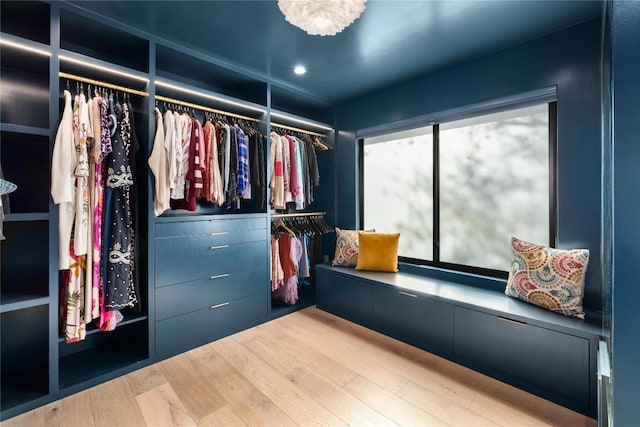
(240, 213)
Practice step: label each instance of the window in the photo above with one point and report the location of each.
(492, 178)
(398, 194)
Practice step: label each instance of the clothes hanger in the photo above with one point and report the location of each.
(281, 224)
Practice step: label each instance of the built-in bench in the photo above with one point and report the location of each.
(544, 353)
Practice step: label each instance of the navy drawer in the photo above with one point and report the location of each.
(190, 228)
(197, 294)
(182, 243)
(212, 322)
(345, 296)
(202, 263)
(413, 318)
(548, 359)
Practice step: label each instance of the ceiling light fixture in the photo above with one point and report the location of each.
(321, 17)
(299, 70)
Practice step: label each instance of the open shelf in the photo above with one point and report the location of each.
(25, 355)
(128, 319)
(36, 27)
(187, 69)
(300, 104)
(103, 353)
(27, 130)
(21, 301)
(95, 39)
(24, 99)
(19, 217)
(306, 298)
(32, 194)
(24, 262)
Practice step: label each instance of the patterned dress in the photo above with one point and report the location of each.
(118, 223)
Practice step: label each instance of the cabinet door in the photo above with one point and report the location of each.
(413, 318)
(549, 359)
(345, 296)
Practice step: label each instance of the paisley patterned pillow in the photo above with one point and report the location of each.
(346, 248)
(547, 277)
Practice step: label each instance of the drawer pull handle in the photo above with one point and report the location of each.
(517, 322)
(342, 278)
(218, 247)
(213, 307)
(219, 276)
(408, 294)
(218, 233)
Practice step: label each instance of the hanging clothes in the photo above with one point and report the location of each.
(243, 185)
(120, 222)
(256, 147)
(97, 220)
(276, 181)
(295, 248)
(102, 149)
(277, 273)
(213, 183)
(63, 185)
(159, 165)
(131, 193)
(290, 252)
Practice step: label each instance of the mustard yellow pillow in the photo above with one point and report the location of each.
(378, 251)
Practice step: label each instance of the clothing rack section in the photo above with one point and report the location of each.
(297, 214)
(295, 248)
(94, 183)
(318, 142)
(204, 108)
(101, 84)
(216, 163)
(294, 170)
(295, 129)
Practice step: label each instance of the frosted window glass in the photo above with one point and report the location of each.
(494, 184)
(398, 189)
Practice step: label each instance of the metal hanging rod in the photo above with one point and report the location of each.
(278, 125)
(203, 108)
(298, 214)
(101, 84)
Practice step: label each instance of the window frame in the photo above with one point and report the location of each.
(436, 262)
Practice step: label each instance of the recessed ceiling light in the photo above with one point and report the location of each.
(299, 70)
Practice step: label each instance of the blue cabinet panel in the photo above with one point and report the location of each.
(212, 322)
(214, 260)
(345, 296)
(197, 294)
(190, 228)
(413, 318)
(214, 238)
(552, 360)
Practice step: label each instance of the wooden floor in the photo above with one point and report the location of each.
(308, 368)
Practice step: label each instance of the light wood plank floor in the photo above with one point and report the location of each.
(308, 368)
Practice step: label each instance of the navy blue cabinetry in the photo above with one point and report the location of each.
(210, 279)
(413, 318)
(541, 352)
(540, 357)
(345, 296)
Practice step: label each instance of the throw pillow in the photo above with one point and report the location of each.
(346, 248)
(378, 251)
(547, 277)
